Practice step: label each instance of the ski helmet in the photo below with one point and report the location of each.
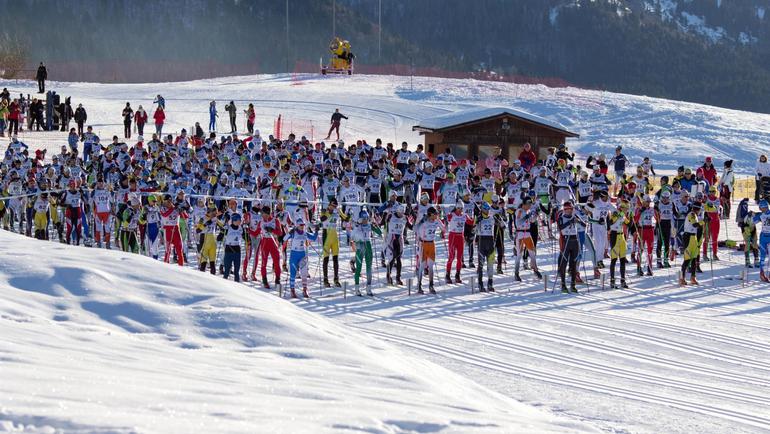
(485, 207)
(363, 215)
(763, 204)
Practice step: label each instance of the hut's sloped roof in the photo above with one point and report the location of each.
(464, 117)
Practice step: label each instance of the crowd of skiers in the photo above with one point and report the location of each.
(237, 204)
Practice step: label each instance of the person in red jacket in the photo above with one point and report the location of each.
(527, 157)
(709, 171)
(170, 219)
(14, 113)
(160, 118)
(140, 118)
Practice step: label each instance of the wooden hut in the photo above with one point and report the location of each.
(479, 131)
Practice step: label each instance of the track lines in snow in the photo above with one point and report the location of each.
(600, 368)
(554, 377)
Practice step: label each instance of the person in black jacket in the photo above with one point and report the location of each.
(80, 118)
(41, 76)
(66, 113)
(128, 115)
(336, 119)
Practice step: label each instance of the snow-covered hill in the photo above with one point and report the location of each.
(670, 132)
(97, 342)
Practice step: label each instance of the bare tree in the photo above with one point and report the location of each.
(13, 56)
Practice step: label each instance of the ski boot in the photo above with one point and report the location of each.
(499, 269)
(304, 292)
(693, 281)
(337, 283)
(659, 263)
(390, 280)
(358, 291)
(490, 288)
(399, 282)
(597, 273)
(639, 271)
(564, 289)
(573, 289)
(762, 276)
(431, 289)
(463, 265)
(472, 265)
(623, 284)
(666, 264)
(714, 257)
(293, 293)
(254, 277)
(682, 281)
(649, 270)
(352, 265)
(481, 286)
(537, 273)
(457, 278)
(369, 291)
(448, 278)
(283, 267)
(613, 285)
(516, 277)
(98, 244)
(756, 262)
(327, 284)
(698, 269)
(264, 283)
(419, 289)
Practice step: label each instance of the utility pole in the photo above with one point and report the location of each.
(379, 32)
(287, 37)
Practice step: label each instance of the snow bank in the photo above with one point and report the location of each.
(102, 341)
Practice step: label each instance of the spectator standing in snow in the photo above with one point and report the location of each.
(213, 116)
(250, 118)
(80, 118)
(160, 119)
(41, 77)
(763, 169)
(128, 114)
(66, 114)
(14, 112)
(230, 108)
(337, 117)
(140, 118)
(160, 101)
(619, 162)
(3, 116)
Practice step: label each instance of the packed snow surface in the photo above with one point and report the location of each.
(670, 132)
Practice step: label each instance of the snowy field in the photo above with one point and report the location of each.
(110, 342)
(669, 132)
